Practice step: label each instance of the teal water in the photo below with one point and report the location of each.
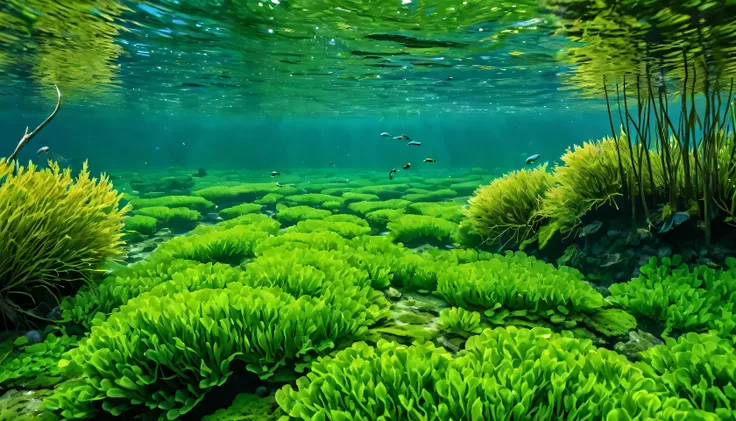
(262, 253)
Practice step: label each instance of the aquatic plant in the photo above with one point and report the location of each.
(332, 205)
(269, 199)
(229, 246)
(515, 285)
(381, 217)
(345, 229)
(444, 210)
(503, 374)
(145, 225)
(192, 202)
(291, 216)
(384, 191)
(363, 208)
(467, 236)
(466, 188)
(592, 175)
(170, 216)
(684, 300)
(698, 367)
(117, 367)
(421, 228)
(306, 272)
(239, 210)
(94, 303)
(17, 405)
(344, 217)
(311, 199)
(248, 407)
(504, 210)
(350, 197)
(459, 320)
(172, 185)
(324, 240)
(33, 366)
(694, 154)
(434, 195)
(255, 221)
(241, 193)
(76, 224)
(612, 322)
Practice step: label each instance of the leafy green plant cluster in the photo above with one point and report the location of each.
(444, 210)
(363, 208)
(192, 202)
(270, 199)
(265, 330)
(312, 199)
(350, 197)
(504, 211)
(242, 193)
(421, 228)
(54, 229)
(503, 374)
(292, 215)
(254, 221)
(381, 217)
(684, 300)
(460, 321)
(239, 210)
(94, 303)
(698, 367)
(170, 216)
(248, 407)
(430, 196)
(344, 229)
(230, 245)
(345, 217)
(384, 191)
(517, 286)
(33, 366)
(145, 225)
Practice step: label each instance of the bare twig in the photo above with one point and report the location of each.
(28, 136)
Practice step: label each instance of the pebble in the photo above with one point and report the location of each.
(261, 391)
(392, 293)
(33, 337)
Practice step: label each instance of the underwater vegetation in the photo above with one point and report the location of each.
(307, 312)
(55, 229)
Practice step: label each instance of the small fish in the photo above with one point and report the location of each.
(145, 162)
(183, 144)
(157, 148)
(407, 166)
(279, 184)
(430, 160)
(591, 228)
(532, 158)
(414, 143)
(275, 173)
(385, 134)
(42, 150)
(332, 164)
(201, 172)
(391, 174)
(402, 137)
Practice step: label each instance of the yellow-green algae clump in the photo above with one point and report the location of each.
(54, 228)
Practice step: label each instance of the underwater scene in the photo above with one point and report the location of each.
(359, 210)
